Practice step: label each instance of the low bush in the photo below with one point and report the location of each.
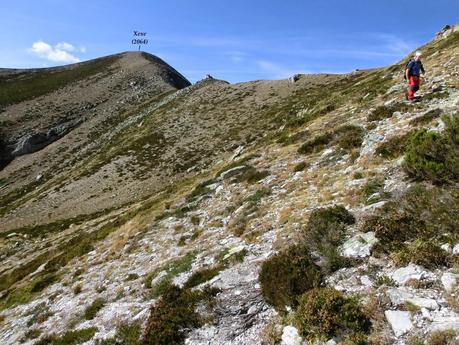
(91, 311)
(380, 113)
(300, 166)
(324, 313)
(69, 338)
(422, 252)
(316, 144)
(172, 269)
(325, 231)
(287, 275)
(43, 282)
(433, 156)
(385, 111)
(252, 175)
(174, 315)
(346, 137)
(126, 334)
(436, 95)
(202, 275)
(426, 214)
(373, 191)
(394, 147)
(349, 136)
(426, 118)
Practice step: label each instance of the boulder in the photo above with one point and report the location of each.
(294, 78)
(399, 321)
(412, 271)
(449, 281)
(290, 336)
(401, 296)
(233, 171)
(359, 246)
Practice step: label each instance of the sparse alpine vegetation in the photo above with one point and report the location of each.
(434, 156)
(323, 207)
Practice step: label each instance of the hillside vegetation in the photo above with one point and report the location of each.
(317, 209)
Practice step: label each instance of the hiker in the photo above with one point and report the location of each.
(413, 74)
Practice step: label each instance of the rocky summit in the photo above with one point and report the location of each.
(138, 208)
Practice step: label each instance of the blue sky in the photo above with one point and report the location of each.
(233, 40)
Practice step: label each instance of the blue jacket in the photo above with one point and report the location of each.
(415, 68)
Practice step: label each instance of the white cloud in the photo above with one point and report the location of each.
(83, 49)
(58, 53)
(65, 46)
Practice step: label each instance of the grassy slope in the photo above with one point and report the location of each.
(318, 102)
(28, 85)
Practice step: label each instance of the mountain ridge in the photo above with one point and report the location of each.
(244, 172)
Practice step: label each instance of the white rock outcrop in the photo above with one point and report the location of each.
(290, 336)
(399, 321)
(412, 271)
(359, 246)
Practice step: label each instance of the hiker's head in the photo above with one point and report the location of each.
(418, 55)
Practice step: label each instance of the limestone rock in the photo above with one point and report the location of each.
(359, 246)
(290, 336)
(412, 271)
(400, 296)
(399, 321)
(449, 281)
(232, 172)
(445, 323)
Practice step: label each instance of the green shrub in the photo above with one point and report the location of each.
(394, 147)
(427, 117)
(435, 95)
(433, 156)
(316, 144)
(201, 189)
(286, 139)
(325, 313)
(174, 315)
(77, 289)
(126, 334)
(346, 137)
(69, 338)
(287, 275)
(380, 113)
(251, 175)
(356, 339)
(231, 259)
(31, 334)
(422, 252)
(369, 190)
(349, 136)
(39, 314)
(300, 166)
(172, 269)
(385, 111)
(202, 275)
(91, 310)
(43, 281)
(423, 213)
(384, 280)
(325, 232)
(132, 276)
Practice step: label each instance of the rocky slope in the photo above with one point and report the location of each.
(202, 186)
